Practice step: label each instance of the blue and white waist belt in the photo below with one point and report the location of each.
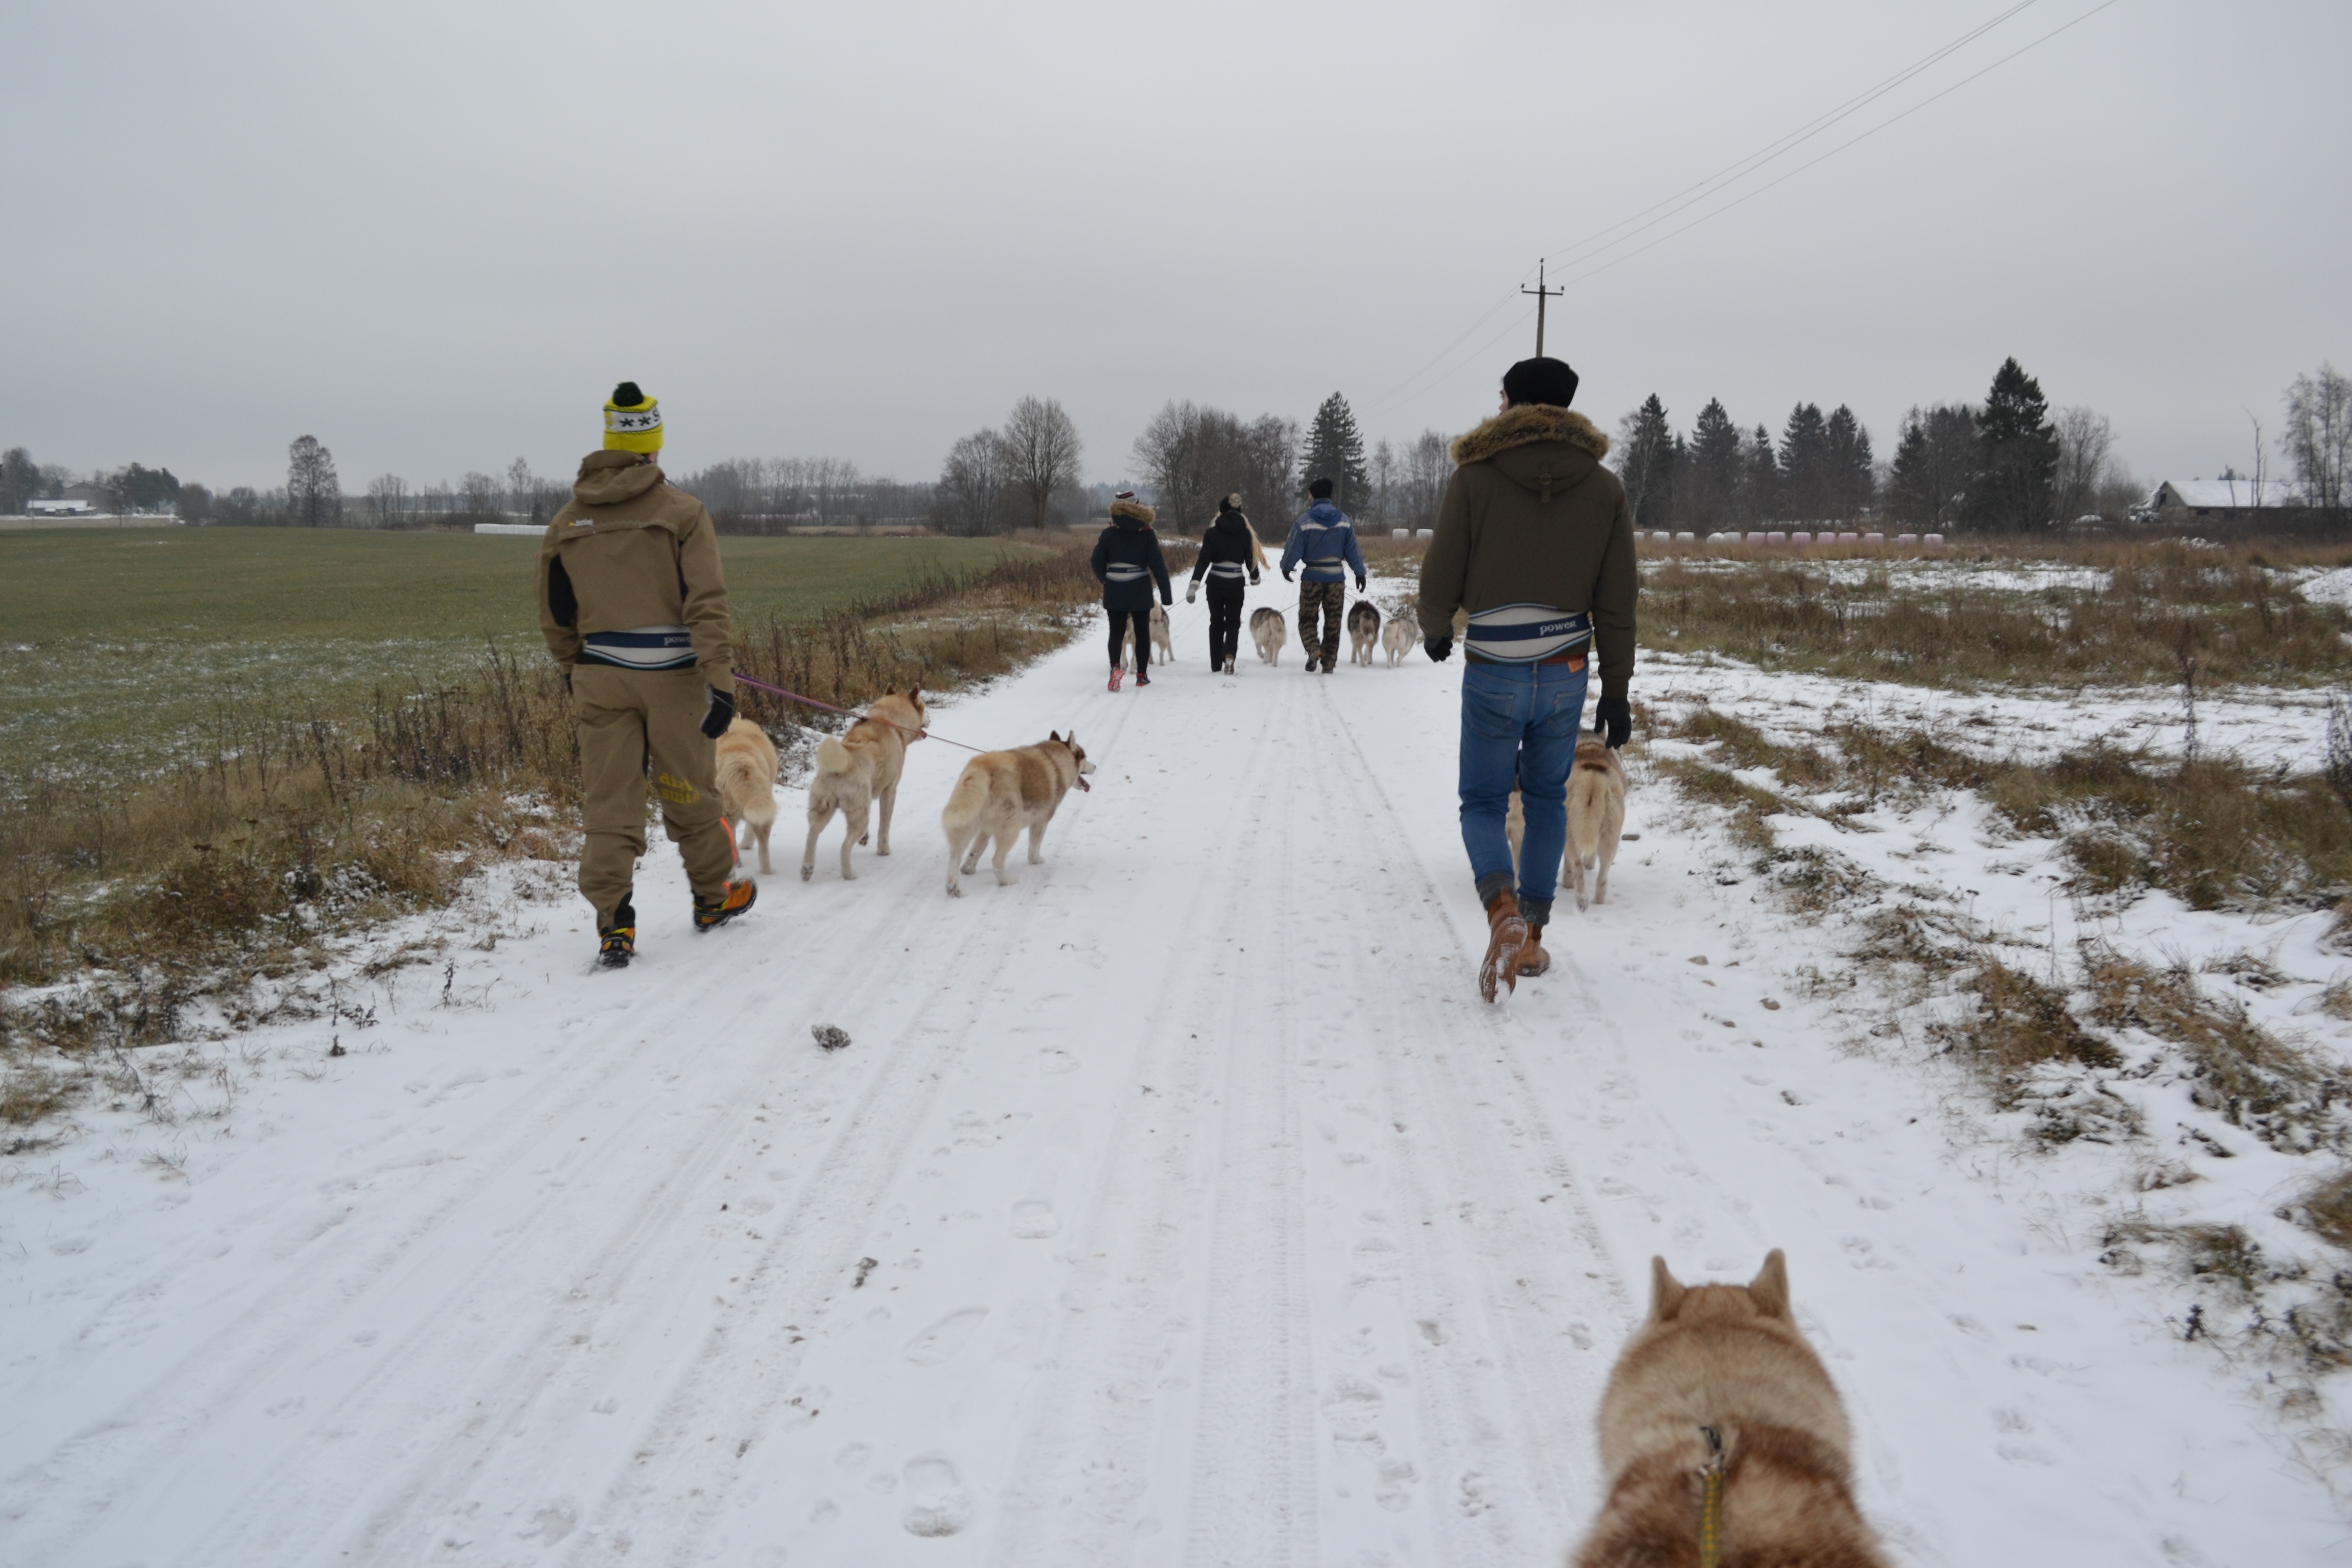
(1122, 572)
(1527, 634)
(1224, 569)
(647, 647)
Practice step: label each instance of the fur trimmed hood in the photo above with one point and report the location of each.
(1134, 512)
(1524, 425)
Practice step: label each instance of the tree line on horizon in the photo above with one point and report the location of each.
(2008, 464)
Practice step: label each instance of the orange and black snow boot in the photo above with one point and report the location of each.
(1507, 933)
(718, 912)
(618, 944)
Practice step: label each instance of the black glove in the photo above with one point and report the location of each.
(1286, 574)
(1615, 715)
(1253, 579)
(722, 713)
(1439, 645)
(1359, 584)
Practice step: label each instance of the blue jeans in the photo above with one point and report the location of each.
(1519, 724)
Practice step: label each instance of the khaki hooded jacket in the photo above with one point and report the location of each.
(1531, 517)
(629, 552)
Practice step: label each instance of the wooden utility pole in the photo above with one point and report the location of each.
(1541, 294)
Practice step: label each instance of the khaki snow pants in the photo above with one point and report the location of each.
(641, 728)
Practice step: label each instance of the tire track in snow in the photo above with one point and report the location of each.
(533, 1375)
(1498, 1203)
(803, 1271)
(1085, 1458)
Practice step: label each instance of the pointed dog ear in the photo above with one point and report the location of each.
(1052, 734)
(1769, 1288)
(1666, 1293)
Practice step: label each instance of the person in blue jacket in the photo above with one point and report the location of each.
(1324, 541)
(1127, 564)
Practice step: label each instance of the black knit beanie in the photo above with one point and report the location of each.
(1545, 380)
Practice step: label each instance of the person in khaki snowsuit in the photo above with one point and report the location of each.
(1536, 542)
(633, 607)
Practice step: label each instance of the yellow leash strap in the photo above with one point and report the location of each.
(1710, 1507)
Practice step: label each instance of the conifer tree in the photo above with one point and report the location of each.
(1335, 451)
(2017, 455)
(1718, 456)
(1805, 464)
(1760, 493)
(1935, 465)
(1646, 462)
(1850, 484)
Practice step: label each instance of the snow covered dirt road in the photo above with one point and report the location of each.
(1178, 1204)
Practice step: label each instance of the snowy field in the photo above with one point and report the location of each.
(1179, 1204)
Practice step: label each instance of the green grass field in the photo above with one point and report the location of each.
(116, 647)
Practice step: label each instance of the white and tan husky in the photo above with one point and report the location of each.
(1596, 816)
(747, 784)
(1718, 1383)
(853, 769)
(1363, 631)
(1268, 630)
(1596, 819)
(1164, 648)
(1397, 637)
(1001, 792)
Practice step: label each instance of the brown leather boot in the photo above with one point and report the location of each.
(1507, 934)
(1533, 958)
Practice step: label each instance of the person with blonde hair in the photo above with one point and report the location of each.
(1229, 552)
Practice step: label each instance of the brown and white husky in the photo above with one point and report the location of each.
(1001, 792)
(1719, 1417)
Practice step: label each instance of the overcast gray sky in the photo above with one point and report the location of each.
(434, 235)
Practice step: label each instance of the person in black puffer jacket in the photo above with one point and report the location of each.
(1229, 551)
(1127, 564)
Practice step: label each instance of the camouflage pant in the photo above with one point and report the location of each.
(1331, 598)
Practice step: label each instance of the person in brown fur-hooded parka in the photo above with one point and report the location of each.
(1129, 565)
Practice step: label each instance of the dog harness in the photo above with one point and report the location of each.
(646, 647)
(1527, 634)
(1710, 1504)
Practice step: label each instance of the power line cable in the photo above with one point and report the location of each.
(1684, 199)
(1771, 151)
(1748, 164)
(1906, 114)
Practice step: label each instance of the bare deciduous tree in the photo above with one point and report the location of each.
(482, 495)
(388, 496)
(521, 486)
(1041, 453)
(2085, 443)
(313, 494)
(2318, 438)
(970, 496)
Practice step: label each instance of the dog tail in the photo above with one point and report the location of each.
(1585, 799)
(964, 802)
(832, 756)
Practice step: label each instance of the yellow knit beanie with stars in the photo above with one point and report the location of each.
(632, 421)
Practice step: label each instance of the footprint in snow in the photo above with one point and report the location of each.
(943, 1339)
(938, 1502)
(1034, 1220)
